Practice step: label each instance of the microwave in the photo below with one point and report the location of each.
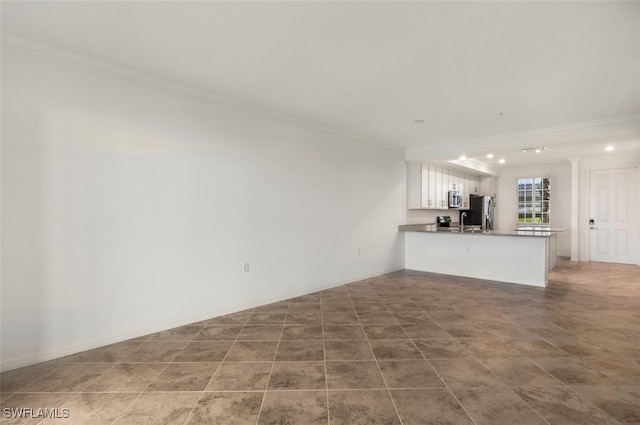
(455, 200)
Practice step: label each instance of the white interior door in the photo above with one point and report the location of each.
(613, 204)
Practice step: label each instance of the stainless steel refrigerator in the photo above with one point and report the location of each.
(480, 212)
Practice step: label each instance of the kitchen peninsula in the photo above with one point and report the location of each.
(518, 256)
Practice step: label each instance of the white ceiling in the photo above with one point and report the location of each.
(483, 76)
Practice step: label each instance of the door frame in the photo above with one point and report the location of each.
(584, 218)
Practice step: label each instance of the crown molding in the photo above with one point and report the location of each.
(144, 78)
(546, 130)
(537, 136)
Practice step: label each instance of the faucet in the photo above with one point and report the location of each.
(462, 216)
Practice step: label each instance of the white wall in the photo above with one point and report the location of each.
(560, 175)
(129, 209)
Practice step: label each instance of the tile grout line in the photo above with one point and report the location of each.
(202, 393)
(436, 372)
(273, 362)
(386, 386)
(567, 387)
(511, 389)
(324, 355)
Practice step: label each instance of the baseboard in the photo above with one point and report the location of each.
(60, 352)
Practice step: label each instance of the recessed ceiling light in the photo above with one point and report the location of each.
(418, 122)
(536, 149)
(609, 148)
(462, 158)
(489, 155)
(502, 161)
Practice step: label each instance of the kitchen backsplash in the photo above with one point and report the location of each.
(429, 216)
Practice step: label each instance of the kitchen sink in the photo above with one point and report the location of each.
(470, 229)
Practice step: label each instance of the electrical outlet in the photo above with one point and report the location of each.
(358, 251)
(245, 267)
(468, 250)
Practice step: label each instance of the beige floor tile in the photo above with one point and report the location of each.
(294, 407)
(21, 405)
(409, 374)
(425, 331)
(242, 351)
(620, 402)
(15, 380)
(155, 352)
(377, 318)
(127, 377)
(394, 349)
(392, 331)
(362, 407)
(111, 353)
(303, 318)
(236, 408)
(500, 406)
(304, 332)
(218, 333)
(184, 377)
(204, 351)
(300, 351)
(491, 348)
(448, 317)
(297, 376)
(354, 374)
(70, 377)
(465, 373)
(272, 318)
(159, 409)
(348, 350)
(244, 376)
(413, 317)
(442, 348)
(572, 371)
(94, 409)
(179, 334)
(343, 332)
(538, 348)
(562, 405)
(520, 372)
(340, 318)
(260, 333)
(429, 407)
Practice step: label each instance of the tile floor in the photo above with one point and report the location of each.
(406, 348)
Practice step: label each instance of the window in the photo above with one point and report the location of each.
(534, 197)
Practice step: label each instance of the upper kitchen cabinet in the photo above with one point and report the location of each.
(469, 185)
(427, 186)
(490, 186)
(442, 188)
(456, 180)
(474, 185)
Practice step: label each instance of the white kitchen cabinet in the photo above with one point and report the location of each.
(418, 186)
(464, 191)
(427, 186)
(474, 185)
(442, 188)
(454, 180)
(489, 186)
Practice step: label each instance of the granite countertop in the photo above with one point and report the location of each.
(431, 228)
(423, 227)
(541, 229)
